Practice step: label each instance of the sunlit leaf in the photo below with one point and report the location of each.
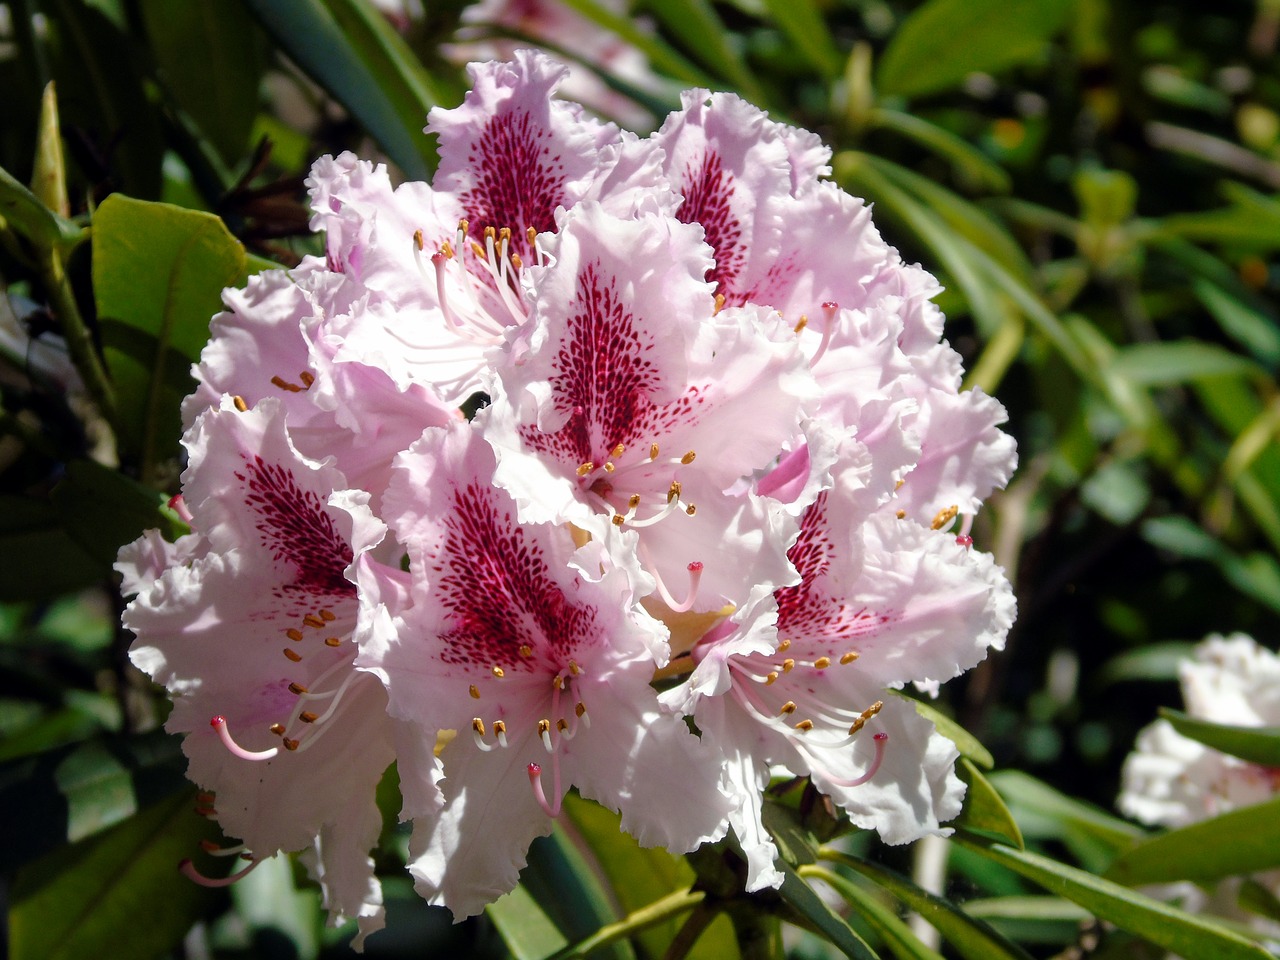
(896, 936)
(801, 21)
(1259, 745)
(93, 896)
(1173, 362)
(805, 901)
(524, 927)
(984, 812)
(944, 41)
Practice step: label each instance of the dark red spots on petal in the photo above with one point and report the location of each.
(519, 180)
(499, 592)
(295, 528)
(708, 191)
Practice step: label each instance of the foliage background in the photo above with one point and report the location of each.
(1097, 184)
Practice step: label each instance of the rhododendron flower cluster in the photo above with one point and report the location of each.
(715, 501)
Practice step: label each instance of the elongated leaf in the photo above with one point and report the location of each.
(103, 893)
(944, 41)
(386, 101)
(965, 741)
(26, 215)
(660, 54)
(808, 33)
(1241, 321)
(896, 935)
(524, 926)
(158, 274)
(972, 939)
(805, 901)
(1238, 842)
(984, 812)
(637, 876)
(1174, 362)
(703, 34)
(1259, 745)
(211, 58)
(977, 165)
(1192, 937)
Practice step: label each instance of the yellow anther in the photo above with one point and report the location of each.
(311, 620)
(475, 692)
(857, 725)
(574, 668)
(618, 519)
(688, 457)
(525, 650)
(504, 234)
(285, 385)
(558, 682)
(327, 615)
(297, 689)
(499, 727)
(804, 322)
(294, 634)
(617, 451)
(804, 725)
(653, 451)
(293, 655)
(789, 707)
(516, 261)
(478, 726)
(332, 642)
(417, 239)
(773, 675)
(446, 250)
(240, 404)
(822, 663)
(784, 646)
(898, 485)
(633, 501)
(901, 514)
(719, 302)
(691, 509)
(498, 672)
(945, 516)
(585, 468)
(580, 709)
(872, 710)
(307, 378)
(306, 716)
(562, 724)
(490, 233)
(478, 250)
(674, 490)
(277, 729)
(788, 665)
(849, 657)
(532, 234)
(290, 744)
(609, 467)
(544, 726)
(463, 226)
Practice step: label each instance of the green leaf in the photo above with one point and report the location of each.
(103, 893)
(49, 172)
(976, 165)
(53, 562)
(102, 510)
(211, 58)
(971, 938)
(1243, 322)
(1189, 936)
(805, 901)
(352, 52)
(1259, 745)
(702, 32)
(808, 33)
(158, 275)
(984, 812)
(965, 741)
(22, 211)
(1256, 574)
(884, 922)
(524, 927)
(663, 57)
(638, 876)
(944, 41)
(1174, 362)
(1238, 842)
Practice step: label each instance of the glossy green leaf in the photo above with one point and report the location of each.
(211, 57)
(1174, 362)
(971, 938)
(344, 50)
(1242, 321)
(22, 211)
(984, 812)
(1259, 745)
(663, 57)
(158, 275)
(1192, 937)
(896, 936)
(697, 25)
(943, 41)
(119, 892)
(976, 165)
(1238, 842)
(805, 901)
(801, 21)
(524, 926)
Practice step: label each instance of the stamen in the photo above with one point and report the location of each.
(784, 646)
(788, 665)
(848, 658)
(293, 655)
(829, 315)
(822, 663)
(219, 723)
(804, 726)
(500, 731)
(191, 873)
(944, 517)
(585, 468)
(477, 734)
(691, 509)
(306, 716)
(297, 689)
(653, 451)
(475, 692)
(574, 668)
(291, 744)
(689, 457)
(307, 378)
(211, 848)
(901, 514)
(239, 404)
(544, 731)
(294, 634)
(617, 451)
(328, 616)
(771, 678)
(719, 302)
(788, 707)
(332, 642)
(311, 620)
(804, 322)
(277, 728)
(525, 650)
(498, 672)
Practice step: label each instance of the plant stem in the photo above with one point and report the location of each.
(690, 931)
(759, 933)
(657, 912)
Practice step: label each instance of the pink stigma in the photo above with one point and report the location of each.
(695, 566)
(881, 739)
(535, 780)
(191, 873)
(964, 540)
(219, 723)
(179, 506)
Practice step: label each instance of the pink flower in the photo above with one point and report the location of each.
(538, 654)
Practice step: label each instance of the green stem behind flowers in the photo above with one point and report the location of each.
(657, 912)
